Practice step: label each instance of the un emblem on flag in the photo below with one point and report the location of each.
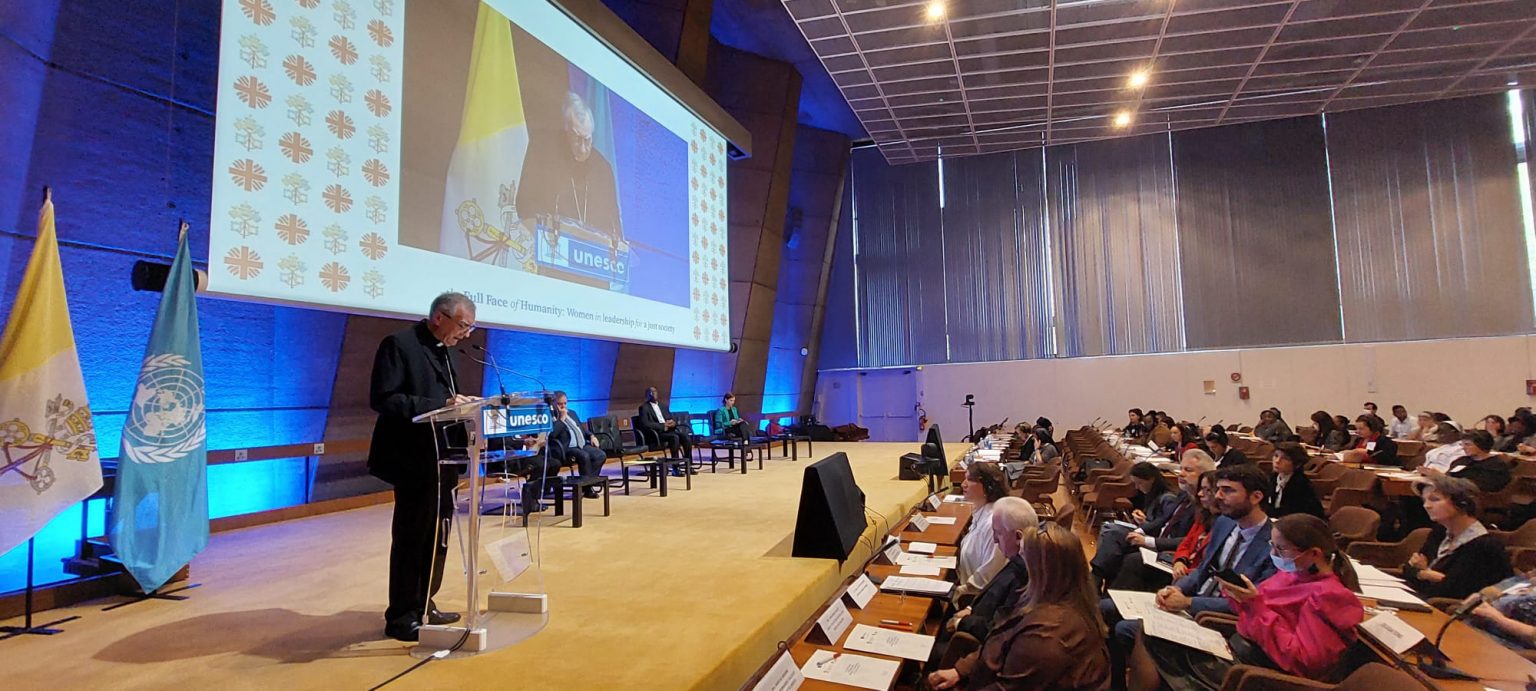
(165, 422)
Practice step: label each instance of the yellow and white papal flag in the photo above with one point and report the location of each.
(48, 458)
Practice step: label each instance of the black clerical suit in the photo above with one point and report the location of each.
(412, 374)
(677, 441)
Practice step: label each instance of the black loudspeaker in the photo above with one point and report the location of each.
(831, 515)
(913, 466)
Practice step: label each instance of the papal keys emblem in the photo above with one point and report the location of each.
(165, 422)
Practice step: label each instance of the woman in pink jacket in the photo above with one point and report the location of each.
(1300, 621)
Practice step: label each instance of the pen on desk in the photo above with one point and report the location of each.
(893, 622)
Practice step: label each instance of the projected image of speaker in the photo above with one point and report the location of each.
(831, 515)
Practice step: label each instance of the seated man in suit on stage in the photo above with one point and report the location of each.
(570, 445)
(656, 419)
(726, 420)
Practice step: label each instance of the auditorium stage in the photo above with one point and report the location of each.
(691, 591)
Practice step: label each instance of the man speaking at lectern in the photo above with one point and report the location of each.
(413, 374)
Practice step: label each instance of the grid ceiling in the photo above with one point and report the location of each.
(998, 75)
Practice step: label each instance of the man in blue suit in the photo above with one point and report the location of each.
(1239, 542)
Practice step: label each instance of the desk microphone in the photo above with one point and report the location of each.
(1437, 666)
(501, 384)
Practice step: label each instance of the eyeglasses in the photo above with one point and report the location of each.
(467, 327)
(1275, 548)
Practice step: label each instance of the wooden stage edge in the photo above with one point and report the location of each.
(691, 591)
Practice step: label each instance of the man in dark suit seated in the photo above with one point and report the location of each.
(568, 443)
(1239, 543)
(413, 374)
(1011, 516)
(656, 419)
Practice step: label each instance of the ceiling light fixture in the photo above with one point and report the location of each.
(1122, 119)
(935, 11)
(1138, 79)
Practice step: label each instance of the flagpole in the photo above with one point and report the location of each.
(27, 627)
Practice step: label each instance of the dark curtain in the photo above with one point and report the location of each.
(1115, 243)
(898, 261)
(1431, 241)
(995, 263)
(1255, 235)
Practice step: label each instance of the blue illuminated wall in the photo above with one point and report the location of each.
(581, 367)
(127, 159)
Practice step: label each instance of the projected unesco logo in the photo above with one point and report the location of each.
(165, 422)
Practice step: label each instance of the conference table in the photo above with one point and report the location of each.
(1469, 650)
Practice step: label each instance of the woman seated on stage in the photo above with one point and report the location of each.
(1185, 555)
(1512, 617)
(1158, 503)
(978, 559)
(1055, 639)
(1374, 446)
(1460, 557)
(1299, 621)
(1291, 488)
(1272, 427)
(726, 420)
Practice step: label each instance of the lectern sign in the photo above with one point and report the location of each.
(514, 420)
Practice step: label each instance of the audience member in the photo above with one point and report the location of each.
(1133, 573)
(1191, 550)
(1272, 427)
(1011, 518)
(1301, 621)
(1183, 437)
(1449, 450)
(1518, 434)
(1373, 446)
(1399, 427)
(1055, 639)
(1479, 464)
(1221, 449)
(1291, 489)
(1512, 617)
(1342, 428)
(1370, 408)
(978, 559)
(1045, 447)
(1423, 429)
(1161, 432)
(1158, 506)
(1134, 428)
(1460, 556)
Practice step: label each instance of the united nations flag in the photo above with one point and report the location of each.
(160, 516)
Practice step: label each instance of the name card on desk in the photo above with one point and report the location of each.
(919, 522)
(933, 501)
(1392, 632)
(861, 591)
(832, 623)
(892, 553)
(782, 676)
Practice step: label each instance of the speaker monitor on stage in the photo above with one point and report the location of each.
(831, 510)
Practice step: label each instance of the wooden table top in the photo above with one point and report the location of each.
(912, 609)
(1469, 650)
(938, 534)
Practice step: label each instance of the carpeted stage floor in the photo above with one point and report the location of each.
(691, 591)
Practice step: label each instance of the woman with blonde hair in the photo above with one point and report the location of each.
(1055, 639)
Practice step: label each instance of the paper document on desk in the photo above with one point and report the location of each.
(1370, 574)
(955, 499)
(1132, 604)
(1172, 627)
(941, 520)
(1393, 597)
(918, 570)
(910, 559)
(1149, 558)
(1391, 631)
(868, 639)
(851, 670)
(922, 547)
(927, 586)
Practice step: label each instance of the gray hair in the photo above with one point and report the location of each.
(447, 301)
(1015, 514)
(1461, 493)
(576, 106)
(1203, 460)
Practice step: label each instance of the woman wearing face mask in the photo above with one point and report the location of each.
(1300, 621)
